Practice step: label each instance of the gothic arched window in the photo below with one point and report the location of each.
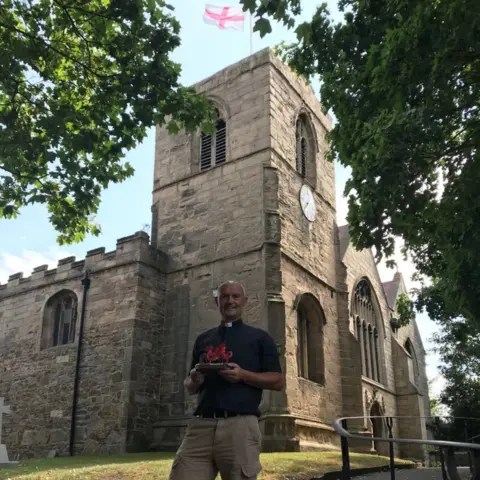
(414, 371)
(305, 149)
(310, 355)
(59, 319)
(213, 148)
(367, 330)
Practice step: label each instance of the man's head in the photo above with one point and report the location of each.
(231, 300)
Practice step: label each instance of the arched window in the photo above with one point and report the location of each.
(367, 331)
(413, 367)
(305, 149)
(59, 319)
(310, 355)
(213, 148)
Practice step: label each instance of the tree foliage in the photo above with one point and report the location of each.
(405, 309)
(402, 79)
(459, 350)
(80, 85)
(281, 10)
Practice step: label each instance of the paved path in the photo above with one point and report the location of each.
(415, 474)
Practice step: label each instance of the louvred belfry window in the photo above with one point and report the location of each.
(213, 148)
(302, 147)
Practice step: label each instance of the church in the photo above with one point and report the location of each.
(93, 353)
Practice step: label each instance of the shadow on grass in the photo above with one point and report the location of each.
(26, 467)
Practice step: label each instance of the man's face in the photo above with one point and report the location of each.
(231, 301)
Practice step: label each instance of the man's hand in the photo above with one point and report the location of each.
(194, 381)
(196, 377)
(233, 374)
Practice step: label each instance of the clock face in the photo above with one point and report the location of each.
(307, 202)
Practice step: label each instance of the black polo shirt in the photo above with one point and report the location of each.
(253, 349)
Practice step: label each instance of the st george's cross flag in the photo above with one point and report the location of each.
(225, 18)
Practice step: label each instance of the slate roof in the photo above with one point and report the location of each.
(391, 289)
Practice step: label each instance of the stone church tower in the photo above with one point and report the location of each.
(105, 357)
(255, 202)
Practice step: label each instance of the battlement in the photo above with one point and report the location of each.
(265, 56)
(134, 248)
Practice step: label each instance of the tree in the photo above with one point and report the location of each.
(80, 84)
(402, 79)
(459, 350)
(436, 407)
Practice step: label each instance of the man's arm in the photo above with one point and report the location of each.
(270, 376)
(264, 380)
(193, 383)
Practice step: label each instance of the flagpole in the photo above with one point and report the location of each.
(251, 34)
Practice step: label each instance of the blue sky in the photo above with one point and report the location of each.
(29, 240)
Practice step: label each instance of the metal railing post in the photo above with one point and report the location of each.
(390, 447)
(452, 464)
(476, 465)
(442, 464)
(446, 448)
(345, 455)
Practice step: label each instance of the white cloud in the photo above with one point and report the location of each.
(27, 261)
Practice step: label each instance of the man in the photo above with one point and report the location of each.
(224, 436)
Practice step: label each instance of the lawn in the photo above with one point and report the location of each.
(149, 466)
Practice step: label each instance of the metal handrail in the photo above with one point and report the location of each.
(340, 426)
(337, 425)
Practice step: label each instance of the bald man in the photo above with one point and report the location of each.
(224, 436)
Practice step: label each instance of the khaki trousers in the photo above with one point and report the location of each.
(229, 446)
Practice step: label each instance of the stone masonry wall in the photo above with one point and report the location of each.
(361, 264)
(38, 383)
(307, 399)
(241, 93)
(308, 252)
(409, 403)
(412, 333)
(396, 388)
(190, 310)
(412, 390)
(311, 245)
(216, 225)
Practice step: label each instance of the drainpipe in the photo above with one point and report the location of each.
(86, 285)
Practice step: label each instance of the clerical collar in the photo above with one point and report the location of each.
(235, 323)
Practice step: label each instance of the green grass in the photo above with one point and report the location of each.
(149, 466)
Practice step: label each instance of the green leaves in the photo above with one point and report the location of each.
(402, 81)
(80, 84)
(280, 10)
(405, 309)
(262, 26)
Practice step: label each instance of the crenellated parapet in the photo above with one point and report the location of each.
(134, 248)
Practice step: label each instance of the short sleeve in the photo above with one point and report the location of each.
(269, 360)
(195, 355)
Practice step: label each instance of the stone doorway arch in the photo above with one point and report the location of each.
(378, 429)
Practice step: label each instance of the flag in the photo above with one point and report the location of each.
(226, 18)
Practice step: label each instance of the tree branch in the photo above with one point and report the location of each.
(59, 52)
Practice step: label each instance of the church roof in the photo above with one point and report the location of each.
(391, 289)
(344, 239)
